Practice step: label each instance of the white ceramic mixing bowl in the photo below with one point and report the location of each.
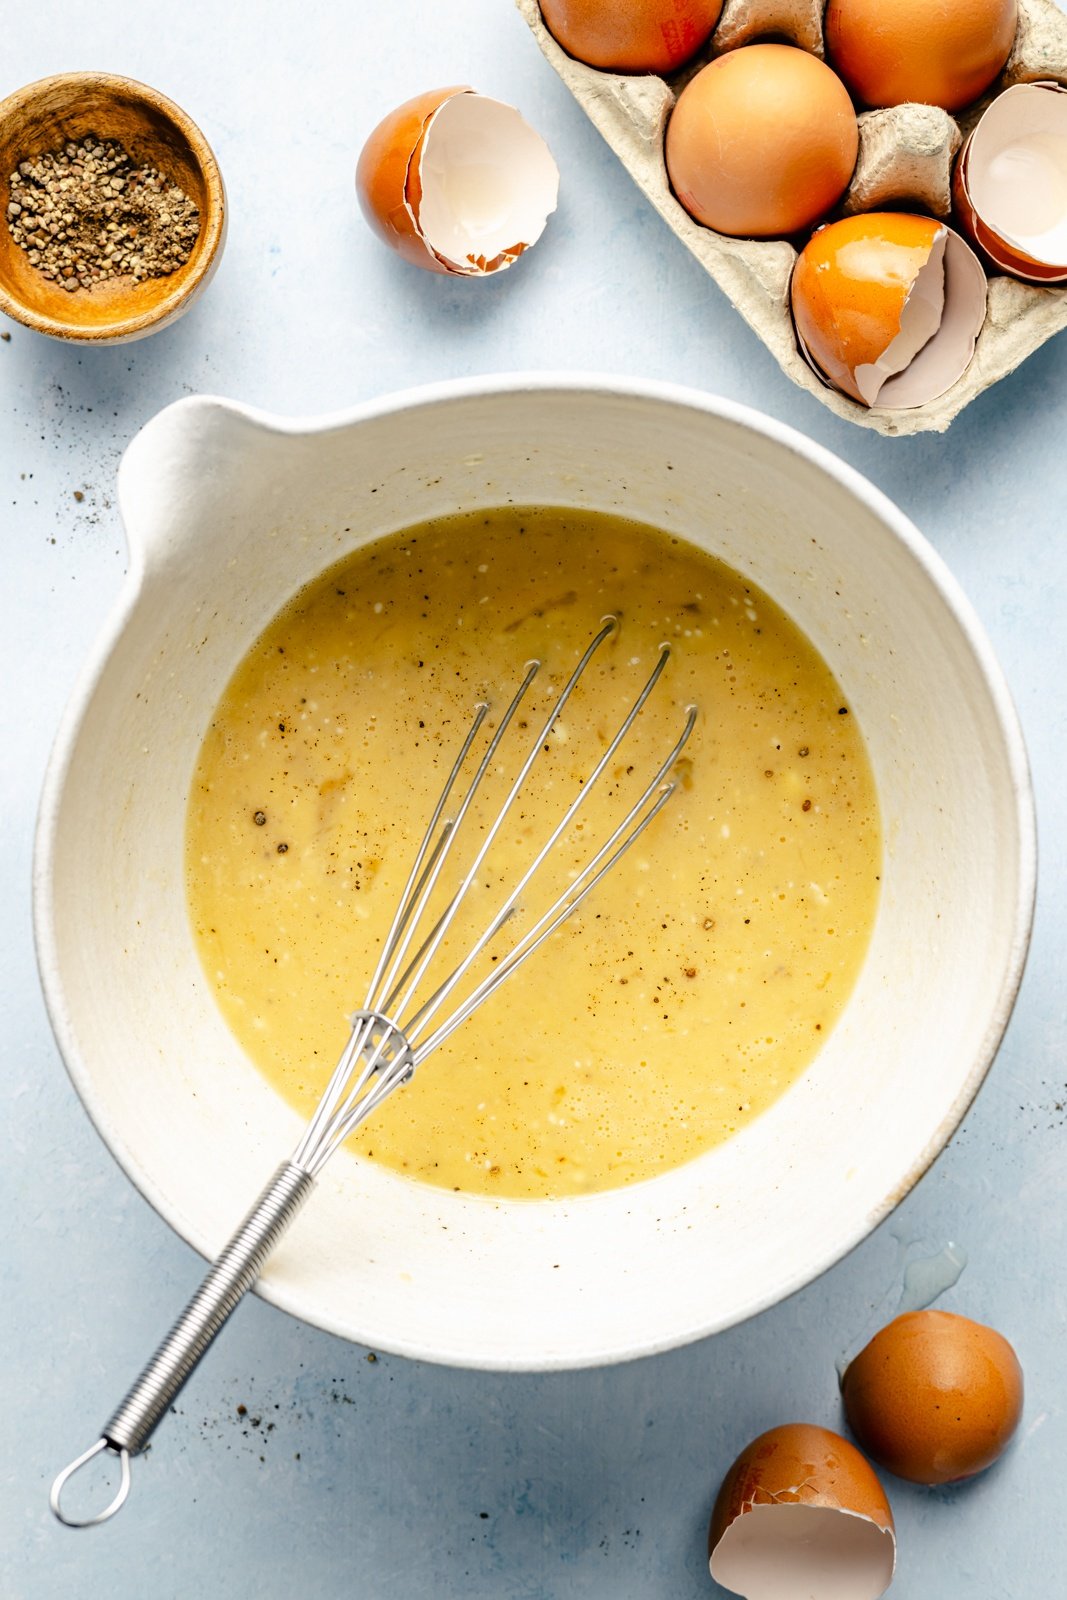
(228, 512)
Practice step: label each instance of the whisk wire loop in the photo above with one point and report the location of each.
(429, 847)
(433, 1004)
(398, 1007)
(572, 897)
(393, 1000)
(385, 1045)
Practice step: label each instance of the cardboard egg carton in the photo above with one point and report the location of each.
(905, 156)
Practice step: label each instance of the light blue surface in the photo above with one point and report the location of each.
(384, 1478)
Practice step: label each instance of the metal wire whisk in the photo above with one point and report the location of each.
(394, 1032)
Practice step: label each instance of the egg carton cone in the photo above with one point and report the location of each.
(905, 158)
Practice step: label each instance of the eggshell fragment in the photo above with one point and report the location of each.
(1011, 183)
(888, 307)
(934, 1396)
(801, 1512)
(457, 183)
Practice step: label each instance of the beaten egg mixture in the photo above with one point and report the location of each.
(701, 976)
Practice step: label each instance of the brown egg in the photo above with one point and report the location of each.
(641, 36)
(934, 1397)
(762, 142)
(802, 1512)
(889, 51)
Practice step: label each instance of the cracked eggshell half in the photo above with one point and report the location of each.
(800, 1512)
(887, 307)
(457, 183)
(1010, 185)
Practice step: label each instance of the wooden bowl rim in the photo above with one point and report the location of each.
(212, 223)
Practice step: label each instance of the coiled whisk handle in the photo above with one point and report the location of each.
(229, 1279)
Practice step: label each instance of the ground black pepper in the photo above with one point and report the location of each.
(86, 214)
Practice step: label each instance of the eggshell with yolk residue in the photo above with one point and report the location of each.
(934, 1396)
(801, 1511)
(888, 306)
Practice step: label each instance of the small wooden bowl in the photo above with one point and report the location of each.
(52, 112)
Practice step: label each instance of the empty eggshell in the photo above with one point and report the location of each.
(457, 183)
(1010, 185)
(888, 306)
(934, 1396)
(801, 1512)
